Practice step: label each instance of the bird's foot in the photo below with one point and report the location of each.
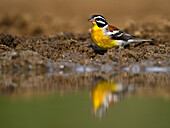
(121, 48)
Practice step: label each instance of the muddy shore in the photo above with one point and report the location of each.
(35, 51)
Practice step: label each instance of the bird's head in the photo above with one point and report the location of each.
(99, 20)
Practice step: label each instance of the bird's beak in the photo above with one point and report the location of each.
(91, 19)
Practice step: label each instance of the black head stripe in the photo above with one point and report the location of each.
(100, 25)
(98, 16)
(100, 19)
(100, 22)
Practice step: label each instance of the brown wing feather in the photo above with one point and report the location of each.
(119, 35)
(111, 28)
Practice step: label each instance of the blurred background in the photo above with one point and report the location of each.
(34, 17)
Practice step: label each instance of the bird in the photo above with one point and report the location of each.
(106, 36)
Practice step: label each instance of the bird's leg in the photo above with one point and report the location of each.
(120, 51)
(122, 46)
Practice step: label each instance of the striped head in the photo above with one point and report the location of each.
(99, 20)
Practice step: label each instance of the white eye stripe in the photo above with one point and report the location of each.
(99, 17)
(99, 21)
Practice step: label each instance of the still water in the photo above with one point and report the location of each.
(120, 99)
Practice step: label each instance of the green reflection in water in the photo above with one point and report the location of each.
(74, 110)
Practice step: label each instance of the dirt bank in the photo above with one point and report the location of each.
(22, 51)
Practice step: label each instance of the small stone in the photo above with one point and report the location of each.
(61, 66)
(14, 55)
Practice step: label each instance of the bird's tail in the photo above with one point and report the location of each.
(137, 40)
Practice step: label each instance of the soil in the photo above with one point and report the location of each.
(19, 51)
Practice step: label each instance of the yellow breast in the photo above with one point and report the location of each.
(98, 37)
(102, 89)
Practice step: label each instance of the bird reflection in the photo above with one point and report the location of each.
(106, 93)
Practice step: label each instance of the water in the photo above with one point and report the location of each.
(84, 97)
(75, 110)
